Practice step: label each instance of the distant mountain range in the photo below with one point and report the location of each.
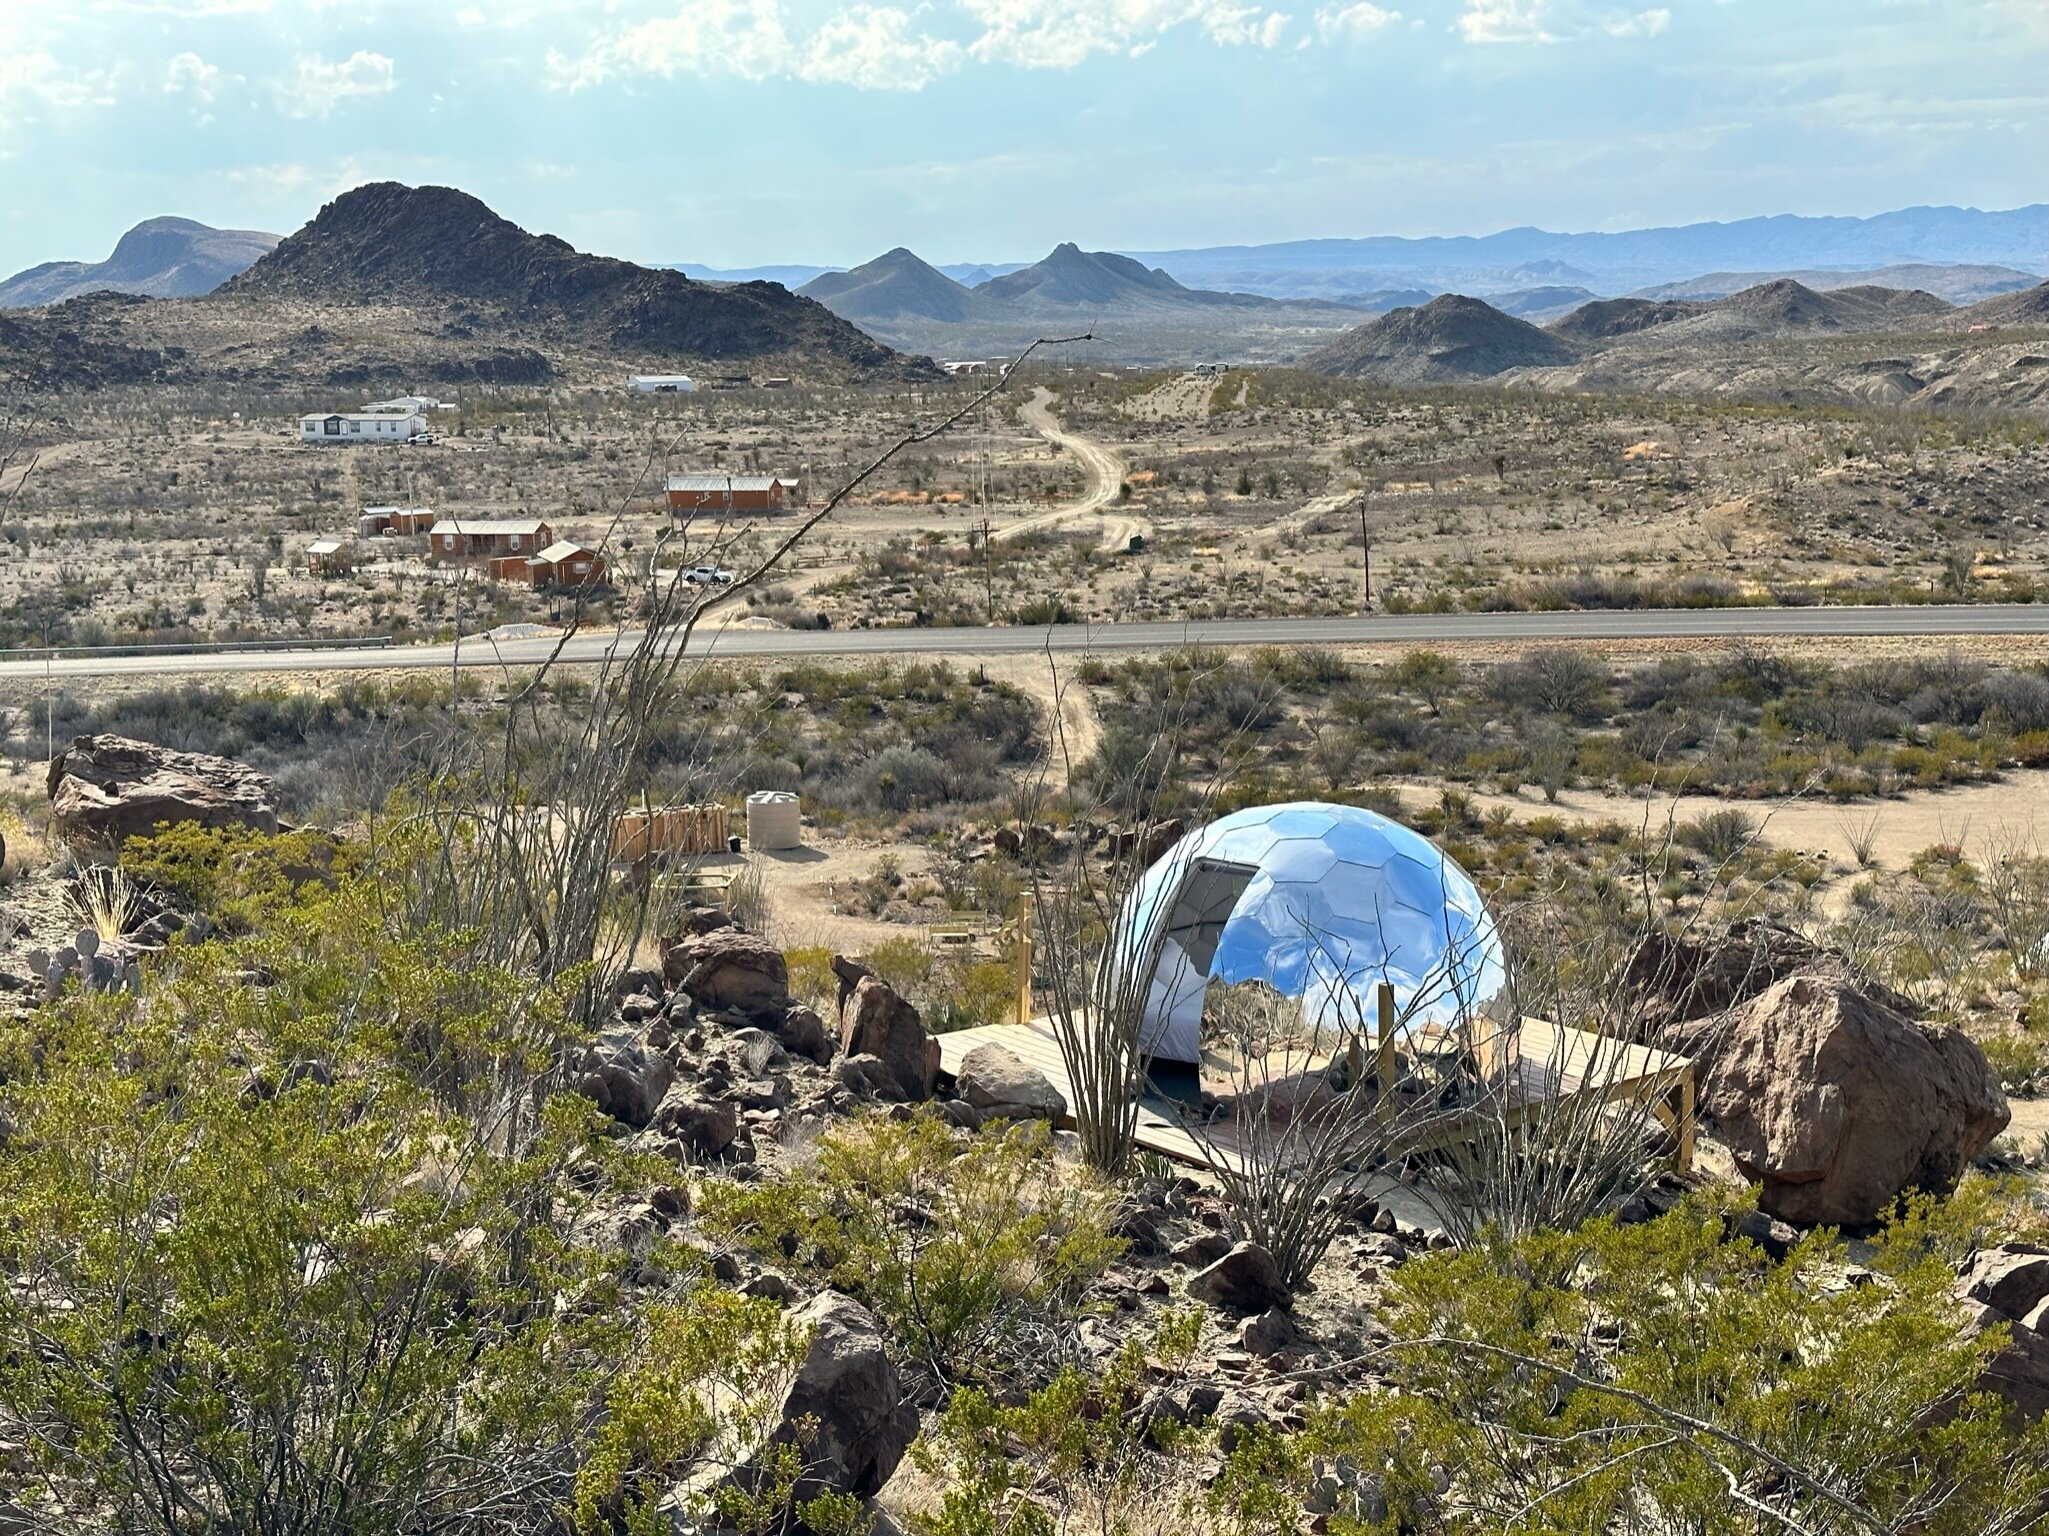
(1820, 252)
(1779, 339)
(163, 258)
(1138, 314)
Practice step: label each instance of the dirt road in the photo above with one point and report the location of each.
(1105, 474)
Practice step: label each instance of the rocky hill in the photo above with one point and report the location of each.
(1136, 313)
(2028, 307)
(895, 286)
(164, 258)
(392, 244)
(1606, 319)
(1070, 277)
(1452, 339)
(1958, 282)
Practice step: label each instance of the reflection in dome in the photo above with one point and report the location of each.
(1319, 902)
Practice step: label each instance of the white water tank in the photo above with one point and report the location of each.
(774, 820)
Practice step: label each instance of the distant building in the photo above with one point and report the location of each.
(969, 365)
(465, 538)
(362, 427)
(405, 405)
(776, 381)
(566, 564)
(718, 494)
(394, 522)
(331, 555)
(661, 384)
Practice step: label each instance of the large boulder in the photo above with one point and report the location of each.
(881, 1024)
(845, 1412)
(1837, 1103)
(625, 1074)
(999, 1082)
(728, 970)
(104, 789)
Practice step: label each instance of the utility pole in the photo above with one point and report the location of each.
(988, 571)
(1365, 552)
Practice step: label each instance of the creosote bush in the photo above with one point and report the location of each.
(973, 1250)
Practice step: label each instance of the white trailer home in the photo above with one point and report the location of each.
(361, 427)
(661, 384)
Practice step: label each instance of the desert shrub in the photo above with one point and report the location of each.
(1559, 680)
(1097, 1449)
(1720, 834)
(286, 1278)
(237, 875)
(1663, 1376)
(812, 979)
(973, 1251)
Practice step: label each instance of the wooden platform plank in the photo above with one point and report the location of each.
(1551, 1059)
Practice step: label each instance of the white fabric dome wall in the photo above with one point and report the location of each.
(1323, 903)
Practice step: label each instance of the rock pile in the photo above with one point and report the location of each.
(711, 1051)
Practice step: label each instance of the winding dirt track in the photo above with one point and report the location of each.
(1105, 474)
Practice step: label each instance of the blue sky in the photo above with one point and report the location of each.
(737, 132)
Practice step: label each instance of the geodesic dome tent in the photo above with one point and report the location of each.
(1322, 903)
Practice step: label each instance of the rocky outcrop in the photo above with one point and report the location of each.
(999, 1082)
(881, 1024)
(2010, 1285)
(729, 970)
(1837, 1103)
(104, 789)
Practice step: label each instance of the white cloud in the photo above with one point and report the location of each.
(1642, 24)
(886, 47)
(876, 48)
(1353, 22)
(189, 75)
(1504, 21)
(318, 86)
(34, 84)
(1553, 21)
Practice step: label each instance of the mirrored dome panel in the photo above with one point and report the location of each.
(1321, 903)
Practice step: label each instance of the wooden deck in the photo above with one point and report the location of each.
(1549, 1062)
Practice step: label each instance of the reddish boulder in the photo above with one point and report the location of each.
(1837, 1104)
(104, 789)
(881, 1024)
(728, 969)
(2009, 1286)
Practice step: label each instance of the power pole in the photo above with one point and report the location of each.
(1366, 552)
(988, 572)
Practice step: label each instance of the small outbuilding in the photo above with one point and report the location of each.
(331, 555)
(566, 563)
(718, 494)
(661, 384)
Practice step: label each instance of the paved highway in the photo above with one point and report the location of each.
(1407, 629)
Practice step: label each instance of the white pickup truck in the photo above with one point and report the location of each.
(708, 576)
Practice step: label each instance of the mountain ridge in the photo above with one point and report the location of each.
(390, 243)
(165, 257)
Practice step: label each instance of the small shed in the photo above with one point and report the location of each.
(331, 555)
(566, 563)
